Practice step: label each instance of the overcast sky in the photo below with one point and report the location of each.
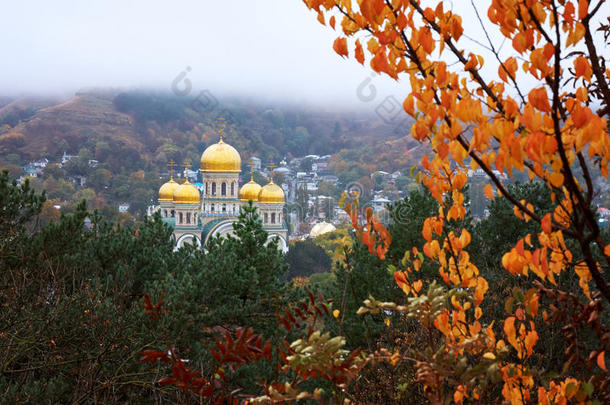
(267, 48)
(261, 48)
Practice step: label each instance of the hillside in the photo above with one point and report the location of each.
(148, 128)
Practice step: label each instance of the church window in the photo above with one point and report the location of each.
(188, 217)
(232, 189)
(173, 213)
(214, 188)
(165, 213)
(273, 217)
(224, 207)
(265, 218)
(223, 189)
(179, 217)
(212, 208)
(206, 188)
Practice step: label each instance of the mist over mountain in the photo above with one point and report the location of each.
(155, 126)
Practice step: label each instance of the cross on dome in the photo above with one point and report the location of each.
(271, 166)
(171, 166)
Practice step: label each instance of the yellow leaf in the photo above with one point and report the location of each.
(336, 313)
(489, 356)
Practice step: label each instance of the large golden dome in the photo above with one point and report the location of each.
(186, 193)
(166, 192)
(271, 194)
(220, 157)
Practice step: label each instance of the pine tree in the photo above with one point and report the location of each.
(242, 274)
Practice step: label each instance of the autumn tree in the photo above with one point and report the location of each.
(538, 107)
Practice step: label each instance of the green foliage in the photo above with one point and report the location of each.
(71, 324)
(306, 258)
(501, 229)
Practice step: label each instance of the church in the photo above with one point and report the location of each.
(198, 215)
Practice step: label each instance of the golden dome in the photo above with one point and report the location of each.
(186, 193)
(166, 192)
(249, 191)
(220, 157)
(271, 194)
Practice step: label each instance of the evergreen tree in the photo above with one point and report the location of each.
(71, 321)
(306, 258)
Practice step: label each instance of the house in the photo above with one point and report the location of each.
(31, 171)
(312, 186)
(124, 207)
(380, 203)
(65, 158)
(40, 164)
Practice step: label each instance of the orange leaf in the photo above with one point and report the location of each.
(568, 13)
(575, 35)
(340, 46)
(409, 106)
(583, 9)
(601, 361)
(426, 41)
(510, 67)
(556, 179)
(545, 223)
(332, 22)
(488, 191)
(523, 40)
(359, 53)
(321, 18)
(539, 99)
(401, 21)
(459, 181)
(582, 67)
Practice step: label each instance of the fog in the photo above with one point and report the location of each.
(270, 49)
(265, 49)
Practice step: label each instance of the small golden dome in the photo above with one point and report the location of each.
(220, 157)
(186, 193)
(271, 194)
(166, 192)
(249, 191)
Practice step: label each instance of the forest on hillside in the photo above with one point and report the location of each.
(132, 135)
